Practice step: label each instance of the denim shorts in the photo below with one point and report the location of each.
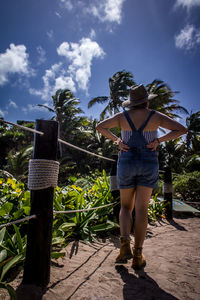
(137, 169)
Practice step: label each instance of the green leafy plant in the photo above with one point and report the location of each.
(187, 186)
(83, 224)
(14, 200)
(12, 253)
(156, 209)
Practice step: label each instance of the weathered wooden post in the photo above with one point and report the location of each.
(38, 253)
(168, 192)
(113, 185)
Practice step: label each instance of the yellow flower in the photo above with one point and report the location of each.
(76, 187)
(163, 216)
(18, 190)
(1, 181)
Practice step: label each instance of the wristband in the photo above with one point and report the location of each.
(117, 141)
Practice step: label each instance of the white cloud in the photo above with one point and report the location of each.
(12, 104)
(58, 14)
(67, 4)
(14, 60)
(2, 113)
(187, 3)
(92, 34)
(104, 10)
(107, 10)
(62, 82)
(188, 38)
(81, 55)
(79, 58)
(34, 108)
(50, 34)
(54, 78)
(41, 55)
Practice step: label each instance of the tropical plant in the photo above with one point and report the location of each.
(119, 85)
(192, 163)
(85, 224)
(164, 102)
(187, 186)
(66, 110)
(12, 253)
(18, 162)
(193, 134)
(156, 209)
(14, 200)
(13, 139)
(172, 154)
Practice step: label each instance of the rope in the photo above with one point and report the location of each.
(83, 150)
(23, 127)
(18, 221)
(85, 209)
(43, 173)
(59, 140)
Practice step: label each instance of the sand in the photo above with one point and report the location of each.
(88, 271)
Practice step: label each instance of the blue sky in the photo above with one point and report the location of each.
(79, 44)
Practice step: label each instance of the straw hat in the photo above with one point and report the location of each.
(138, 95)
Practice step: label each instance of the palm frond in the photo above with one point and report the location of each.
(101, 99)
(47, 107)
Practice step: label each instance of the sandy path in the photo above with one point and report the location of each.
(88, 271)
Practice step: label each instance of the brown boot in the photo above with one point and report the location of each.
(125, 251)
(139, 261)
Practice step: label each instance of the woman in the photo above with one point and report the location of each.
(137, 167)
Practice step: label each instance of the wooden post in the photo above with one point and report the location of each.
(113, 185)
(168, 192)
(38, 253)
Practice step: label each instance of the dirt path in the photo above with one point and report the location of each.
(88, 271)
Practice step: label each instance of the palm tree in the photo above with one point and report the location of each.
(65, 107)
(164, 102)
(193, 134)
(119, 85)
(172, 154)
(18, 162)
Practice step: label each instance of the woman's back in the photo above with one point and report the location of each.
(138, 117)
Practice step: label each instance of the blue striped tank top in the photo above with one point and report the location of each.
(149, 136)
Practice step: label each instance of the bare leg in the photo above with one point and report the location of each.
(127, 198)
(142, 198)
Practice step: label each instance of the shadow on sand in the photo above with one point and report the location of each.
(140, 286)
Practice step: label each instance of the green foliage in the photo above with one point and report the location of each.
(164, 102)
(187, 186)
(12, 250)
(119, 85)
(14, 200)
(156, 209)
(13, 139)
(81, 225)
(18, 162)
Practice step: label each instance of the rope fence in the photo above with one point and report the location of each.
(56, 212)
(22, 127)
(59, 140)
(86, 151)
(85, 209)
(18, 221)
